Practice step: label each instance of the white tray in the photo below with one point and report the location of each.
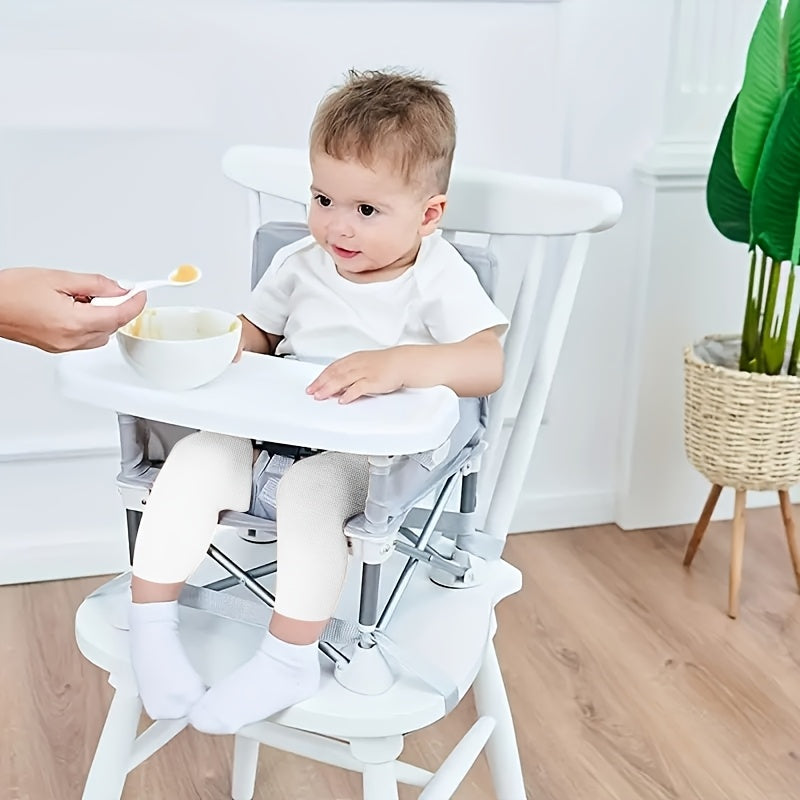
(264, 398)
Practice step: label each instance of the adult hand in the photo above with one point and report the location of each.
(50, 309)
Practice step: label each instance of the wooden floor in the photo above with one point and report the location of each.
(626, 678)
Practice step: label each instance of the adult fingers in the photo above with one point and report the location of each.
(79, 284)
(108, 319)
(98, 340)
(70, 342)
(130, 309)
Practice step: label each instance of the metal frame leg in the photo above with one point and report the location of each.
(469, 493)
(264, 595)
(422, 543)
(133, 519)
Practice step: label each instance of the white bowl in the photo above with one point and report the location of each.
(178, 347)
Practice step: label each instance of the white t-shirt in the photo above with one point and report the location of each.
(323, 316)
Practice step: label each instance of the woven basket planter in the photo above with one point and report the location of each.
(741, 429)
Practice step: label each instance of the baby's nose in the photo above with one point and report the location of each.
(341, 226)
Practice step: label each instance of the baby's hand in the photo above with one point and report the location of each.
(365, 372)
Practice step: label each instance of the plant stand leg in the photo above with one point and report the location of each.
(702, 524)
(788, 523)
(737, 551)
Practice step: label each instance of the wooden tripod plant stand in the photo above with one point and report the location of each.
(737, 539)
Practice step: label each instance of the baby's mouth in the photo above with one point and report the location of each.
(343, 252)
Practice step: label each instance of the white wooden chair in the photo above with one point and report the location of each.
(434, 643)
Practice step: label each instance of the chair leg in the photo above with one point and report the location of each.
(380, 782)
(501, 749)
(737, 551)
(379, 774)
(702, 524)
(112, 757)
(245, 764)
(788, 523)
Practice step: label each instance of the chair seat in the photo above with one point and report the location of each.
(446, 628)
(405, 422)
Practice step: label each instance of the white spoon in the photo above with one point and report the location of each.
(185, 275)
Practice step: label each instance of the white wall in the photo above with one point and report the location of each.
(113, 119)
(617, 55)
(692, 282)
(112, 124)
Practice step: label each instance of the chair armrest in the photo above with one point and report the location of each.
(264, 398)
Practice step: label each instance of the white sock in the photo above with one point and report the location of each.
(279, 675)
(168, 684)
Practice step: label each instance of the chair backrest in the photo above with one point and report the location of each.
(539, 230)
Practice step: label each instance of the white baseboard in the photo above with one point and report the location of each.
(71, 555)
(636, 513)
(538, 512)
(59, 555)
(549, 512)
(60, 509)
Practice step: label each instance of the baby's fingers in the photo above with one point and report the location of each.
(332, 380)
(358, 389)
(322, 390)
(326, 376)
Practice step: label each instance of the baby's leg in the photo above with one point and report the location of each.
(315, 497)
(205, 473)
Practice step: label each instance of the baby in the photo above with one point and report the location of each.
(380, 296)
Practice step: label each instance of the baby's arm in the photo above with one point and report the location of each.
(471, 368)
(254, 340)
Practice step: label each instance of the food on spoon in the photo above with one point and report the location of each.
(184, 274)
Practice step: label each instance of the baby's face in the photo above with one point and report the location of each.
(368, 218)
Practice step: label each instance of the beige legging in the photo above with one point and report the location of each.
(207, 473)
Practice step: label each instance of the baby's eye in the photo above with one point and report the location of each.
(322, 200)
(367, 210)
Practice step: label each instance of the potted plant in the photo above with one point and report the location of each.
(742, 393)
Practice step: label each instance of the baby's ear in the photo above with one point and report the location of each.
(434, 209)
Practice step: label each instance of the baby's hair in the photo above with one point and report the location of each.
(387, 114)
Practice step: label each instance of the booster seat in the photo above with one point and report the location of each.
(397, 484)
(403, 650)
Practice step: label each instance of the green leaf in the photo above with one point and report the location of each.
(767, 321)
(776, 194)
(728, 202)
(796, 239)
(795, 354)
(748, 356)
(760, 94)
(774, 345)
(790, 34)
(770, 346)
